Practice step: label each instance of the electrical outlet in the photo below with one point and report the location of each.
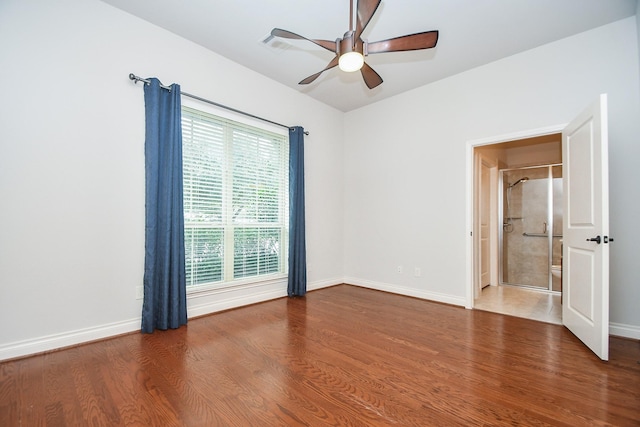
(417, 272)
(399, 269)
(139, 292)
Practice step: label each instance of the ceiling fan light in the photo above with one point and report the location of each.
(351, 61)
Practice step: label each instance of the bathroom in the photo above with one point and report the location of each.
(519, 251)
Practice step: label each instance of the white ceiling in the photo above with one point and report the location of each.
(472, 33)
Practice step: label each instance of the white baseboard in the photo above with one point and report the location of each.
(258, 294)
(412, 292)
(625, 331)
(617, 329)
(225, 299)
(197, 305)
(324, 284)
(66, 339)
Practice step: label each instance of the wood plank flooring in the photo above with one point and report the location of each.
(342, 356)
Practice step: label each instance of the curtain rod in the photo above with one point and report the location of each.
(137, 79)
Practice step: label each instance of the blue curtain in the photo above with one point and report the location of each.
(297, 285)
(165, 300)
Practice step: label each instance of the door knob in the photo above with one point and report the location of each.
(594, 239)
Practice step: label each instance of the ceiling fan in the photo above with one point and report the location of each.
(351, 49)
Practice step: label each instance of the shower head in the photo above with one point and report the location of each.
(526, 178)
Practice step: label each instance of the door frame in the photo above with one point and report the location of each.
(470, 194)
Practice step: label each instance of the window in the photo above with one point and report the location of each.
(235, 199)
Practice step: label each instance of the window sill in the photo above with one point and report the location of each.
(204, 290)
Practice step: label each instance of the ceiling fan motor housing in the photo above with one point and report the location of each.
(348, 44)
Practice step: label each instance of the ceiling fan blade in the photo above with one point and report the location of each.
(366, 10)
(333, 63)
(327, 44)
(424, 40)
(371, 78)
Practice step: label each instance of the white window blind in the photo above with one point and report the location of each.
(235, 199)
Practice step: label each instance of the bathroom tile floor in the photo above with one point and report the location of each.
(521, 302)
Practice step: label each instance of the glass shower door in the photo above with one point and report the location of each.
(532, 214)
(556, 245)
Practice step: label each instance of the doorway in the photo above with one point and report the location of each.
(518, 191)
(585, 231)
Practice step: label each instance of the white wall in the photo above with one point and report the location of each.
(638, 25)
(405, 177)
(72, 167)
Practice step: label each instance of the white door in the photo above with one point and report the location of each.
(585, 284)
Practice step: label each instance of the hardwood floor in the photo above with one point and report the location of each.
(342, 356)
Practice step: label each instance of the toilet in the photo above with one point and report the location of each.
(556, 271)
